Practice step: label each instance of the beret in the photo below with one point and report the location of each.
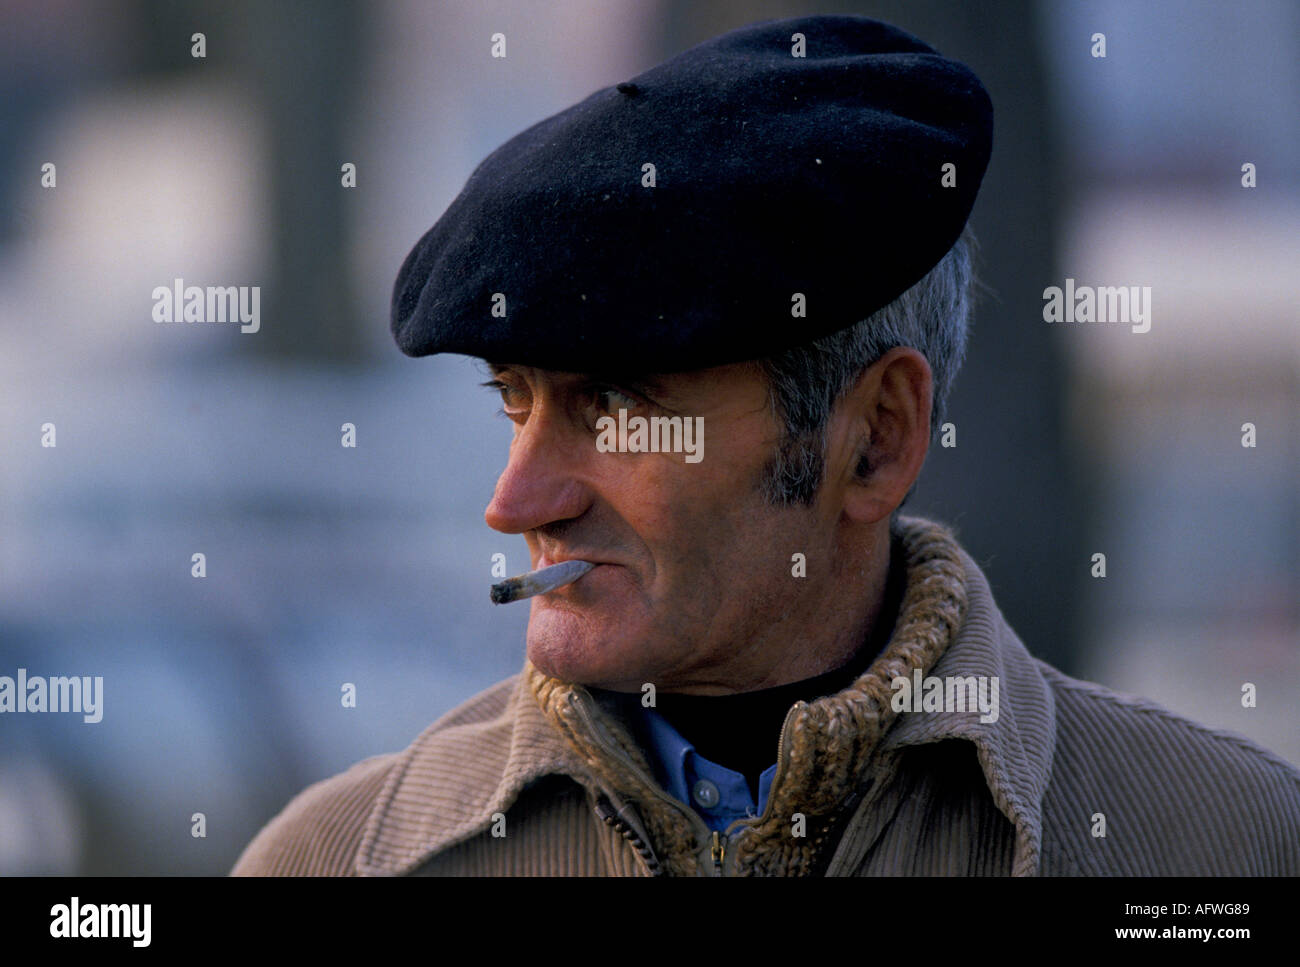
(789, 197)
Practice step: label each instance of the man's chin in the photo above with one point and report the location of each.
(581, 658)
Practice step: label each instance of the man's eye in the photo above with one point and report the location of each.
(513, 400)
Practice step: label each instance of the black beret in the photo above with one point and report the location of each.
(773, 174)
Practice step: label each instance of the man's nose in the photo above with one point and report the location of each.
(543, 481)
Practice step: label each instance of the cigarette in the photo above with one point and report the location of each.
(540, 581)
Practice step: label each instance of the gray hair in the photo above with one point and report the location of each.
(806, 382)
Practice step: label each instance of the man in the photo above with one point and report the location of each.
(769, 670)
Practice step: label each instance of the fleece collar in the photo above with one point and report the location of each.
(532, 726)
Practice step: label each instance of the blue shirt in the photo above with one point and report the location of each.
(720, 795)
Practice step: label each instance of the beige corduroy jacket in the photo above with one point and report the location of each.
(534, 777)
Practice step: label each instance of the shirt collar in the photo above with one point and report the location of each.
(672, 750)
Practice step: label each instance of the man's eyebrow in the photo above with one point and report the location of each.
(644, 383)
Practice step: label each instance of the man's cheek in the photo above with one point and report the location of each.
(693, 556)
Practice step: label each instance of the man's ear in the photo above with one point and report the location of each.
(889, 409)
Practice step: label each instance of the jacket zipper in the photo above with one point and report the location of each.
(605, 810)
(780, 741)
(691, 816)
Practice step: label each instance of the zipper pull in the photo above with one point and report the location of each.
(719, 851)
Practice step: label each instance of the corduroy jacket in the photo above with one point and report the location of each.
(535, 777)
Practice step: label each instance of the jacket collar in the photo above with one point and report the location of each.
(1016, 751)
(506, 740)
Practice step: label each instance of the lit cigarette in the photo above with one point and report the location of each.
(539, 582)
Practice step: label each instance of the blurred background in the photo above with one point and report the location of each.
(369, 565)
